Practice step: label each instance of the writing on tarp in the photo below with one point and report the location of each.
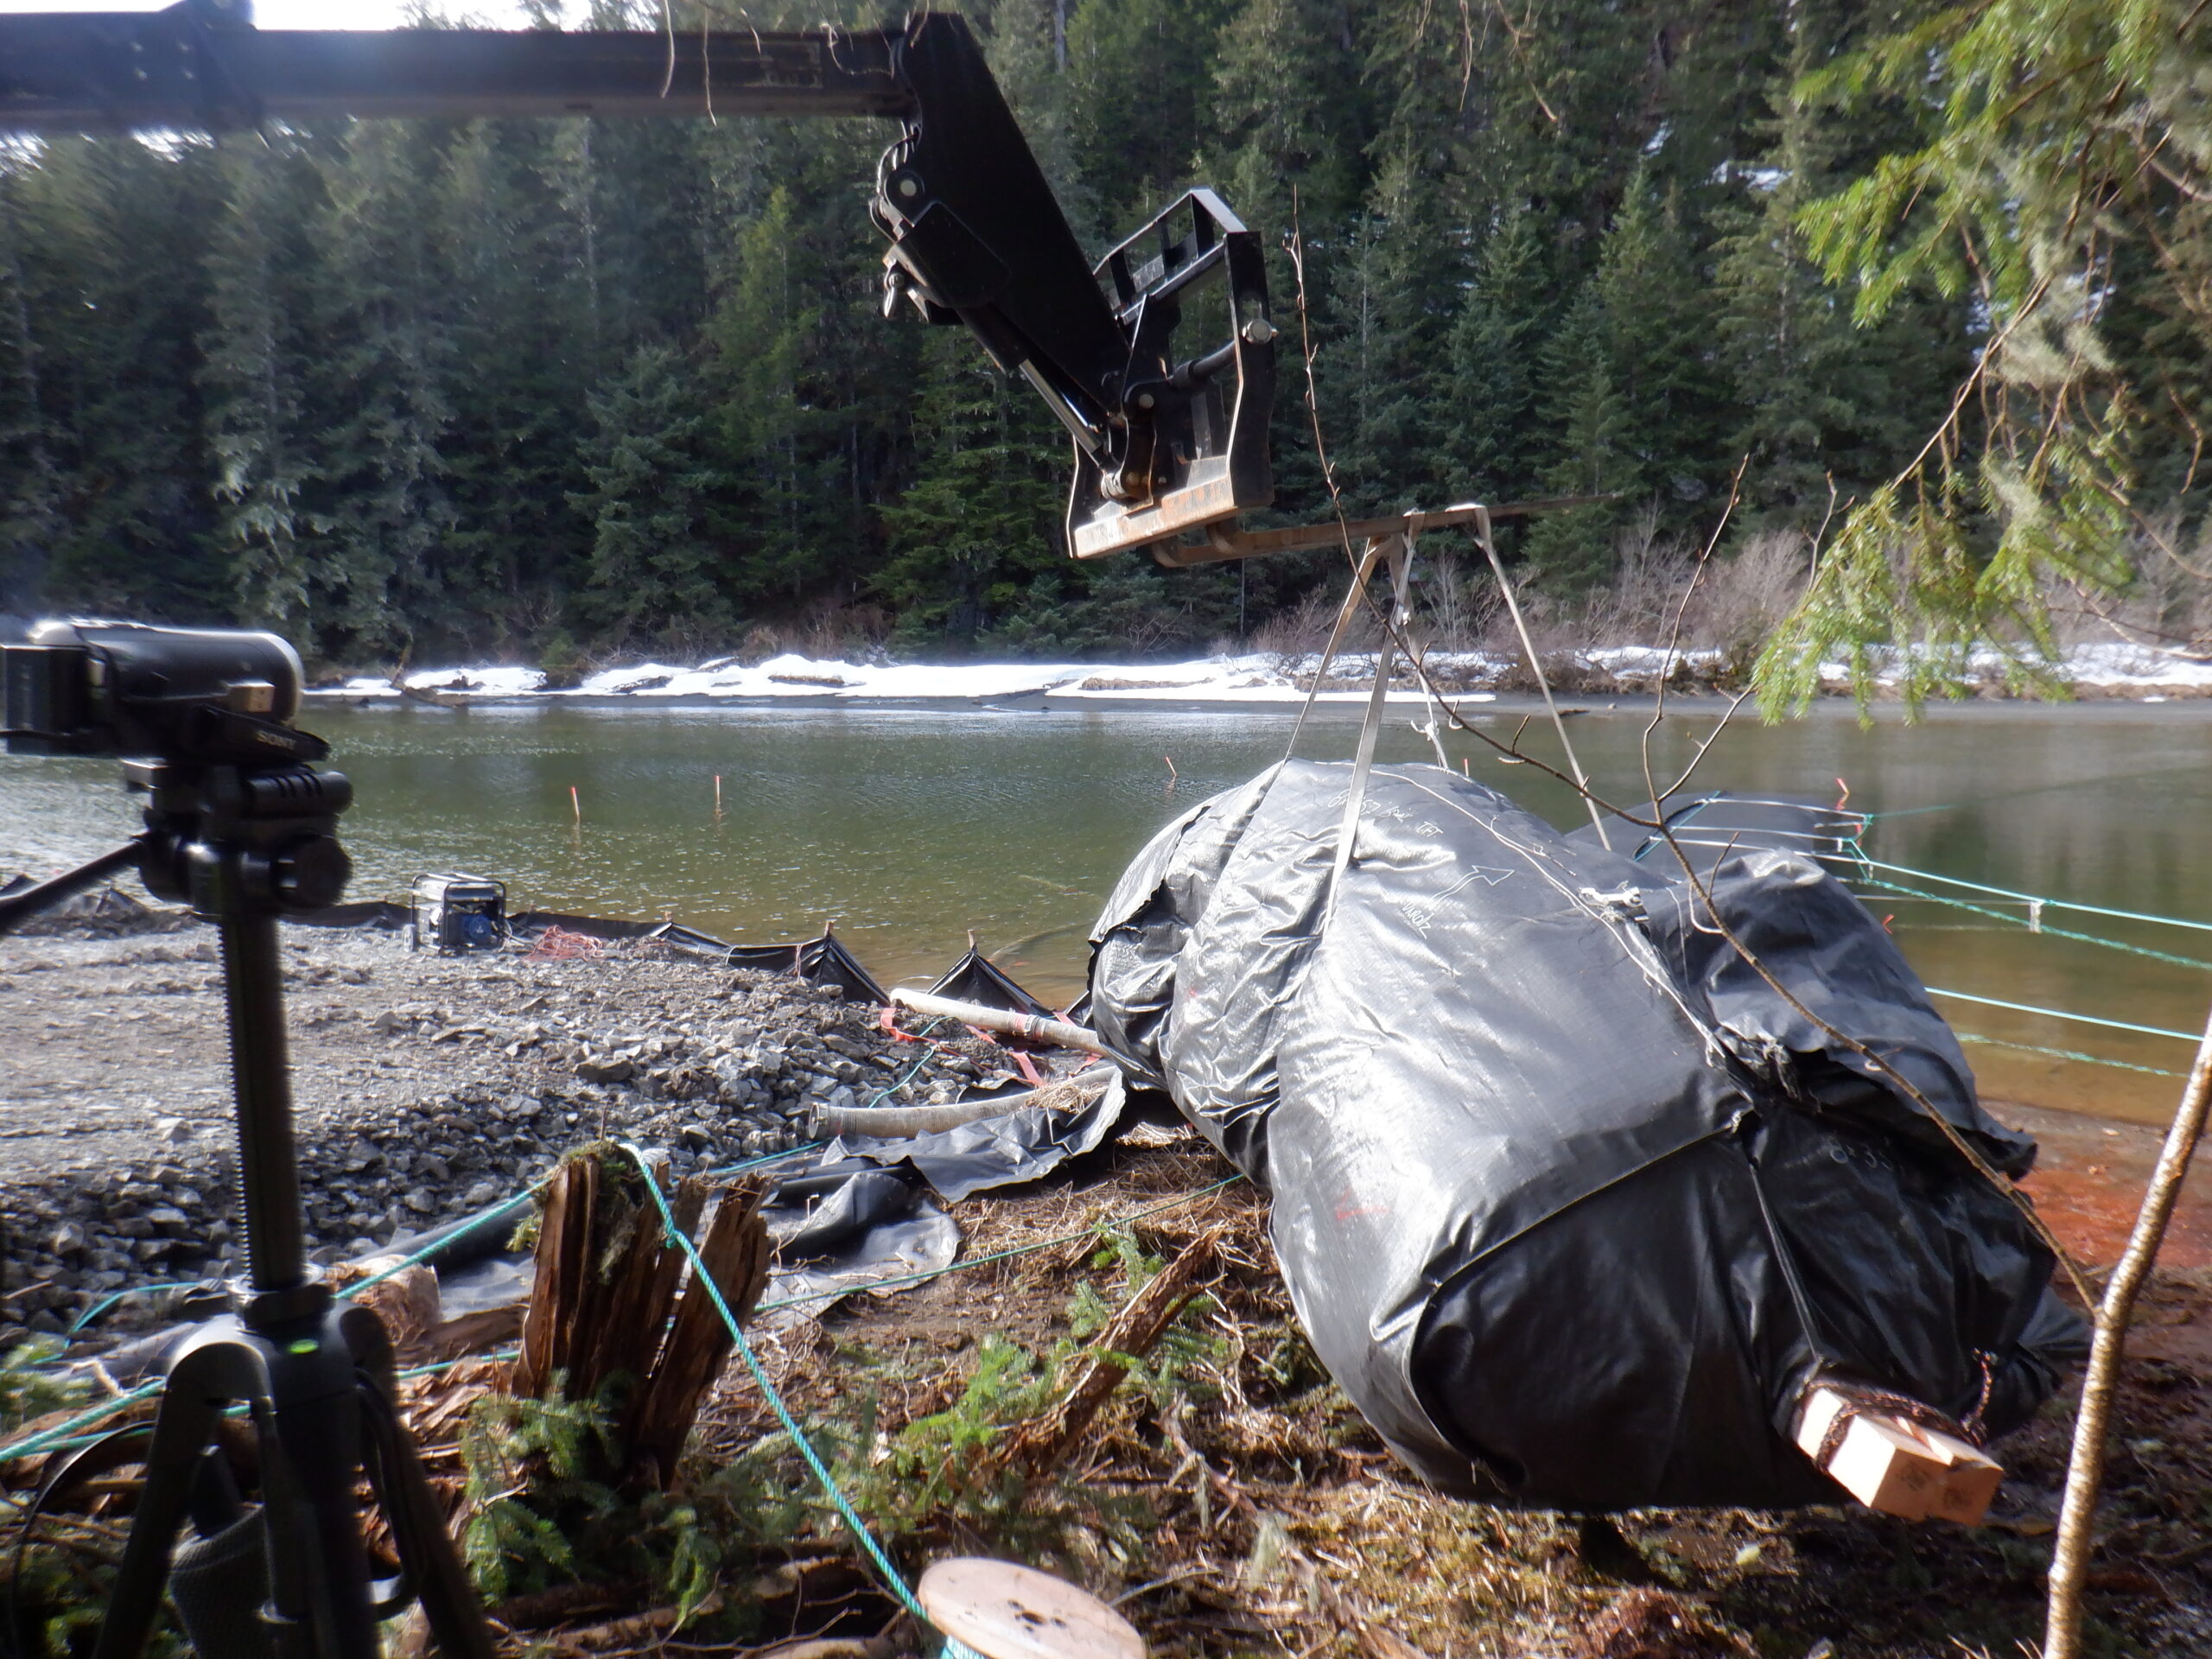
(1422, 913)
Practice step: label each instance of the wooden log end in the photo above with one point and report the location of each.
(1895, 1465)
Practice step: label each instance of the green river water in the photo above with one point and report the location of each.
(911, 828)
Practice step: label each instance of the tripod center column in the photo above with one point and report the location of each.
(269, 1168)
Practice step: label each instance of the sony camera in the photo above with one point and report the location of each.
(220, 696)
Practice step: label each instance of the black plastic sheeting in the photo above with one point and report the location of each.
(818, 962)
(1572, 1203)
(839, 1231)
(835, 1232)
(976, 978)
(852, 1215)
(1015, 1147)
(822, 960)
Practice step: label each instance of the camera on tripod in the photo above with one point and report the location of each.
(215, 694)
(202, 718)
(241, 825)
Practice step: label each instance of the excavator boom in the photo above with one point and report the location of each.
(1169, 439)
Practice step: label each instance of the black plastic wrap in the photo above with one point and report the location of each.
(1018, 1147)
(840, 1230)
(1572, 1203)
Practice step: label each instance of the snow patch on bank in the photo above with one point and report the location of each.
(2122, 664)
(1261, 679)
(1258, 677)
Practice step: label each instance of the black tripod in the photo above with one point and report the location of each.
(242, 844)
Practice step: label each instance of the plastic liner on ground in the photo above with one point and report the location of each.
(976, 978)
(838, 1231)
(1019, 1145)
(1572, 1203)
(822, 960)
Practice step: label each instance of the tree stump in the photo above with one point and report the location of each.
(613, 1301)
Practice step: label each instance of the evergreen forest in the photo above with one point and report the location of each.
(543, 391)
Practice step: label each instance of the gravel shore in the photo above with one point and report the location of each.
(427, 1087)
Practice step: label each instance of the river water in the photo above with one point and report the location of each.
(911, 828)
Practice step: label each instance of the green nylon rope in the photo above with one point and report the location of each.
(77, 1325)
(1857, 854)
(2065, 1054)
(530, 1192)
(2060, 1014)
(61, 1432)
(413, 1257)
(953, 1648)
(928, 1050)
(2022, 921)
(996, 1256)
(47, 1439)
(432, 1369)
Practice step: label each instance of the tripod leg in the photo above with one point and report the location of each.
(418, 1527)
(182, 1430)
(418, 1524)
(318, 1569)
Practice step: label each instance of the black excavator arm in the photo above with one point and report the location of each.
(1159, 361)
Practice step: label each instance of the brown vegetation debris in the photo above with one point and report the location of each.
(1654, 1625)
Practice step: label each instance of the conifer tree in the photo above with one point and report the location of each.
(1137, 74)
(1660, 354)
(762, 330)
(2054, 168)
(976, 530)
(520, 367)
(1572, 550)
(1287, 113)
(1026, 43)
(1392, 299)
(253, 371)
(113, 326)
(1484, 418)
(30, 505)
(382, 393)
(1820, 397)
(651, 476)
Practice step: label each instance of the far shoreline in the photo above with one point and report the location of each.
(1466, 683)
(1329, 705)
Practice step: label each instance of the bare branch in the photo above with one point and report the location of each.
(1673, 644)
(2070, 1560)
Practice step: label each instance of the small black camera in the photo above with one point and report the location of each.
(221, 695)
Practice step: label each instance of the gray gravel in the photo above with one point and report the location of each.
(428, 1087)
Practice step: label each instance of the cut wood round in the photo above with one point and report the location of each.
(1004, 1611)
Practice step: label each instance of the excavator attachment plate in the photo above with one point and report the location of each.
(1190, 291)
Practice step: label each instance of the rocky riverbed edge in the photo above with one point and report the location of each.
(748, 1080)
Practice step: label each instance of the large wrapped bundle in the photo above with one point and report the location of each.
(1573, 1202)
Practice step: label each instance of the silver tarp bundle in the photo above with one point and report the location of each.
(1572, 1203)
